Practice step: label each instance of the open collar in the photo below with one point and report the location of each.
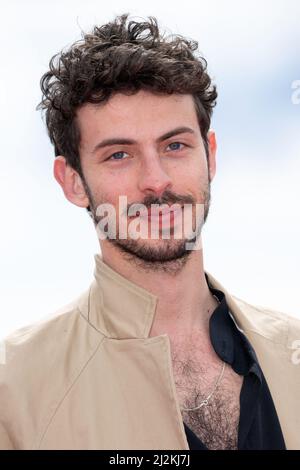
(120, 309)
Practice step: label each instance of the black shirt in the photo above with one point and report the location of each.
(259, 427)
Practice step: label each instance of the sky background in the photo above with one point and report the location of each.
(252, 232)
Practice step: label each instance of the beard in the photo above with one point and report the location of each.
(167, 255)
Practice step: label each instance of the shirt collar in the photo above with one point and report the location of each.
(228, 340)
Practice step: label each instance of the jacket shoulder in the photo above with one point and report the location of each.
(41, 334)
(39, 363)
(273, 324)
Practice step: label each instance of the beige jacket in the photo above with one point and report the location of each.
(91, 378)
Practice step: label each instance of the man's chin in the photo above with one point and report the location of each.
(155, 254)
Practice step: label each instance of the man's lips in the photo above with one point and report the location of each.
(156, 212)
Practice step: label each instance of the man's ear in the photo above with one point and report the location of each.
(70, 181)
(212, 149)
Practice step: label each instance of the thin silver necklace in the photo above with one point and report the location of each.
(206, 400)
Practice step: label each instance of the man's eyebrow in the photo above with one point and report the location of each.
(123, 141)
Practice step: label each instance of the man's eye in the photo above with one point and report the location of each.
(117, 156)
(176, 145)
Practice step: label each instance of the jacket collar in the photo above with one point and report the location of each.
(120, 309)
(117, 307)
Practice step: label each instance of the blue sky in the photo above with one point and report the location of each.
(252, 232)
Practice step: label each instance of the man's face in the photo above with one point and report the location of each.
(159, 158)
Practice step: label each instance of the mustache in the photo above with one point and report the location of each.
(168, 197)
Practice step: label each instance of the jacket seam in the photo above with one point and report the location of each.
(67, 392)
(87, 316)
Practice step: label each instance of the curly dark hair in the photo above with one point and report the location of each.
(121, 56)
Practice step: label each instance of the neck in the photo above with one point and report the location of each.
(185, 302)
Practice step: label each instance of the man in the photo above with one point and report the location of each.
(156, 355)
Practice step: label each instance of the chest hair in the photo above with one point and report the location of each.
(195, 376)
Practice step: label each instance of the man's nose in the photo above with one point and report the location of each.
(153, 178)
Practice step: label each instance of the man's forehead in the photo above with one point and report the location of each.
(133, 114)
